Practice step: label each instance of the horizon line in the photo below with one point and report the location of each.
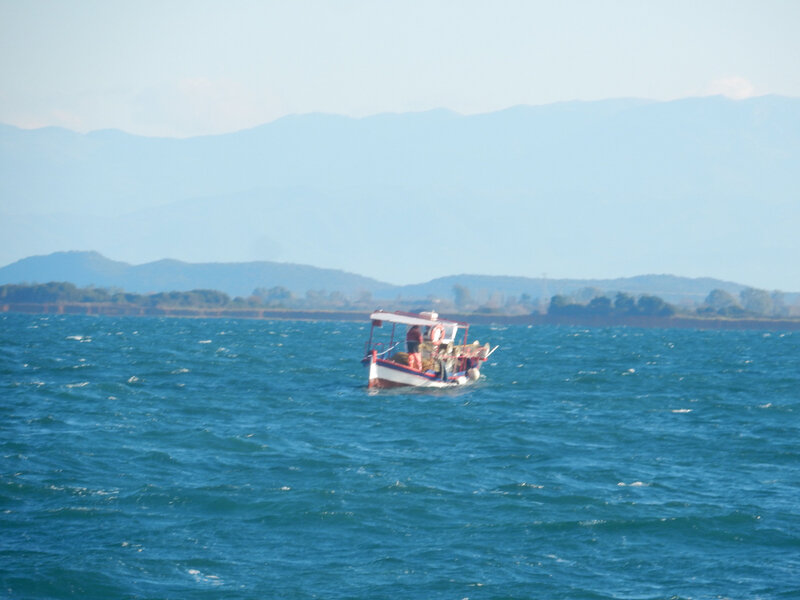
(394, 113)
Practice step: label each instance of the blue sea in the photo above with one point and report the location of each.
(190, 458)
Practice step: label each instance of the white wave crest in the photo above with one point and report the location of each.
(203, 578)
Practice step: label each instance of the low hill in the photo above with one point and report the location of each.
(236, 279)
(241, 279)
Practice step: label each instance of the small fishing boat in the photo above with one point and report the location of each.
(424, 351)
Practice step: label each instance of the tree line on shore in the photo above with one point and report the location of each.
(719, 303)
(587, 302)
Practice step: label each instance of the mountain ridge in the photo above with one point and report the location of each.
(694, 186)
(241, 279)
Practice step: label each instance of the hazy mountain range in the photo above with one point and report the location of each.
(241, 279)
(702, 186)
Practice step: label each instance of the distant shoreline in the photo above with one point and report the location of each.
(676, 322)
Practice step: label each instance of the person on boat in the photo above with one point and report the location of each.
(413, 341)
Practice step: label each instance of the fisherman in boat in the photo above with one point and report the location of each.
(413, 341)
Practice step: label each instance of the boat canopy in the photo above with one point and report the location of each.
(412, 319)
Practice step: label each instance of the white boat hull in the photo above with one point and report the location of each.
(388, 374)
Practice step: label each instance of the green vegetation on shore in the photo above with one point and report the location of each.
(588, 305)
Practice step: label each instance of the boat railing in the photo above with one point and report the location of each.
(377, 348)
(385, 352)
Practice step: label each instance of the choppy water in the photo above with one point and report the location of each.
(147, 458)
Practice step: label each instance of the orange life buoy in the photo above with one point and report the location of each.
(436, 334)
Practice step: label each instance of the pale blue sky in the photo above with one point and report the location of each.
(183, 68)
